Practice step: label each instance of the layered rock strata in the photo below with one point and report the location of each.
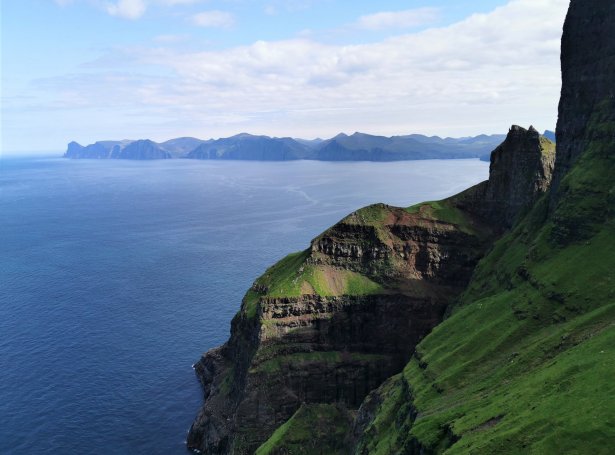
(332, 323)
(521, 365)
(520, 171)
(588, 75)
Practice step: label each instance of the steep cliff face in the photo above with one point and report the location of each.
(588, 66)
(520, 172)
(98, 150)
(522, 365)
(143, 149)
(332, 323)
(581, 199)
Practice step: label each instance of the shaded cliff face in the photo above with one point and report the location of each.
(522, 364)
(332, 323)
(248, 147)
(520, 172)
(583, 200)
(128, 150)
(588, 72)
(244, 146)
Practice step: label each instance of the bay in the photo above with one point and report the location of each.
(116, 275)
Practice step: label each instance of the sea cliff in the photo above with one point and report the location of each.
(332, 323)
(483, 323)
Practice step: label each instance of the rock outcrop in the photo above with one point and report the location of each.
(586, 123)
(357, 147)
(332, 323)
(141, 150)
(520, 363)
(520, 172)
(127, 150)
(588, 72)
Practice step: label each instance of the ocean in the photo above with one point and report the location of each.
(116, 275)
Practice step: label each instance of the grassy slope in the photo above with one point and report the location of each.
(288, 278)
(446, 212)
(285, 279)
(313, 430)
(526, 363)
(296, 275)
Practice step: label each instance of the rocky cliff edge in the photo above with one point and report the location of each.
(332, 323)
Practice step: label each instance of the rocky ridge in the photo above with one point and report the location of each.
(588, 91)
(521, 362)
(354, 147)
(332, 323)
(520, 365)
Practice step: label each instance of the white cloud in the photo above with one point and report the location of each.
(481, 74)
(274, 7)
(398, 19)
(271, 10)
(128, 9)
(214, 19)
(179, 2)
(170, 39)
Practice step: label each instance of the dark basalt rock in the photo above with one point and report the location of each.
(588, 79)
(520, 171)
(577, 210)
(338, 348)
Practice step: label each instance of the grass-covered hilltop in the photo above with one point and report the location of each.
(480, 324)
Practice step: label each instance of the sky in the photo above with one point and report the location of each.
(89, 70)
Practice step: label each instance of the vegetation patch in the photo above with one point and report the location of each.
(445, 212)
(524, 364)
(315, 429)
(249, 305)
(294, 276)
(374, 214)
(300, 359)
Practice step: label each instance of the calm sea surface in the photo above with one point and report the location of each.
(116, 275)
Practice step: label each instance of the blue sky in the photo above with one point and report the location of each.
(89, 70)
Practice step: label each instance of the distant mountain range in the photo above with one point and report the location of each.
(356, 147)
(549, 135)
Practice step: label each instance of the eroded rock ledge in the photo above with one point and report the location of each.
(332, 323)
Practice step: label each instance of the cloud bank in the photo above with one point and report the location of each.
(481, 74)
(129, 9)
(398, 19)
(214, 19)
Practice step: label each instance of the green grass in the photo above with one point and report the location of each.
(526, 361)
(294, 276)
(284, 278)
(547, 146)
(444, 211)
(587, 193)
(515, 382)
(250, 304)
(315, 429)
(279, 363)
(391, 397)
(227, 382)
(357, 284)
(374, 214)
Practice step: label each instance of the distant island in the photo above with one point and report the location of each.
(343, 147)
